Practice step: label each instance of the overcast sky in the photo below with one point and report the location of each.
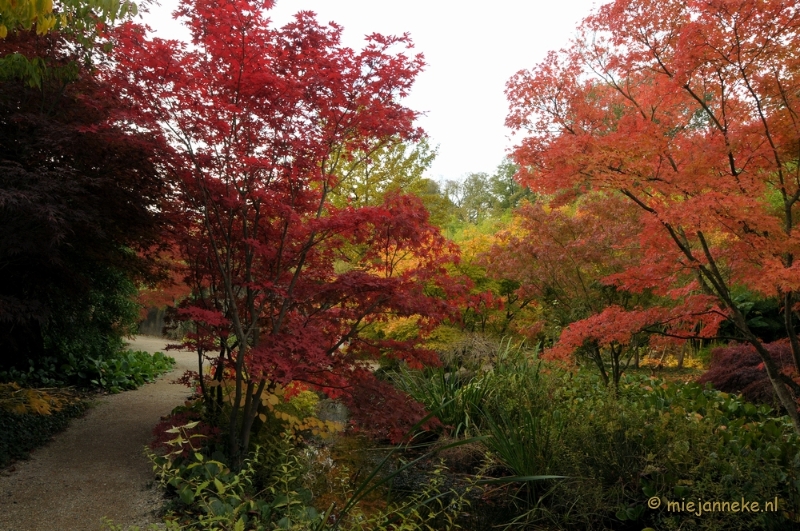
(470, 51)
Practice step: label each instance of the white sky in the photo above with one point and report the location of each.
(470, 52)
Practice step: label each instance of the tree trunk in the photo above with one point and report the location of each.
(681, 355)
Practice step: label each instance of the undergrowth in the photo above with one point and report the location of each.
(115, 372)
(30, 417)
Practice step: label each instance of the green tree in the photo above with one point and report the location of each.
(478, 201)
(507, 192)
(80, 25)
(74, 16)
(398, 166)
(481, 196)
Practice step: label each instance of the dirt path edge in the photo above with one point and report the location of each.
(97, 467)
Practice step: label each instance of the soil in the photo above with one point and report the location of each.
(97, 467)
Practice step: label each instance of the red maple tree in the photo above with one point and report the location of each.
(690, 110)
(257, 123)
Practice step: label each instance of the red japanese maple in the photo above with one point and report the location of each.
(257, 123)
(690, 110)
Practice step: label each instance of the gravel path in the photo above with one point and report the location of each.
(96, 467)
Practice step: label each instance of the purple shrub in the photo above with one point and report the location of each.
(737, 368)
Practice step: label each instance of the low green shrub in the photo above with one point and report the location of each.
(19, 434)
(115, 372)
(651, 441)
(455, 400)
(126, 370)
(270, 491)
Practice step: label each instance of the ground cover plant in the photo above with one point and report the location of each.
(38, 403)
(114, 372)
(30, 417)
(290, 480)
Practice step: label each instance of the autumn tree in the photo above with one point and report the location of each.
(78, 202)
(81, 23)
(480, 207)
(689, 110)
(493, 302)
(258, 125)
(559, 260)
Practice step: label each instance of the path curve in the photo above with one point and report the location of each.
(96, 467)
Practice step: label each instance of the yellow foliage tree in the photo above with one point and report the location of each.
(45, 15)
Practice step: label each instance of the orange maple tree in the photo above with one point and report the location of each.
(690, 110)
(562, 260)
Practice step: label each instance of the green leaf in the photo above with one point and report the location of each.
(186, 495)
(681, 491)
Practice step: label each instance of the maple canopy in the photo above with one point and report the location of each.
(77, 199)
(559, 260)
(690, 110)
(258, 124)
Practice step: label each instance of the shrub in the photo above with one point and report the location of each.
(456, 401)
(469, 381)
(739, 369)
(23, 431)
(115, 372)
(183, 416)
(673, 441)
(618, 448)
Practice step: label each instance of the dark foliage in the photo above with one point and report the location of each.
(19, 434)
(739, 369)
(77, 200)
(764, 318)
(383, 412)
